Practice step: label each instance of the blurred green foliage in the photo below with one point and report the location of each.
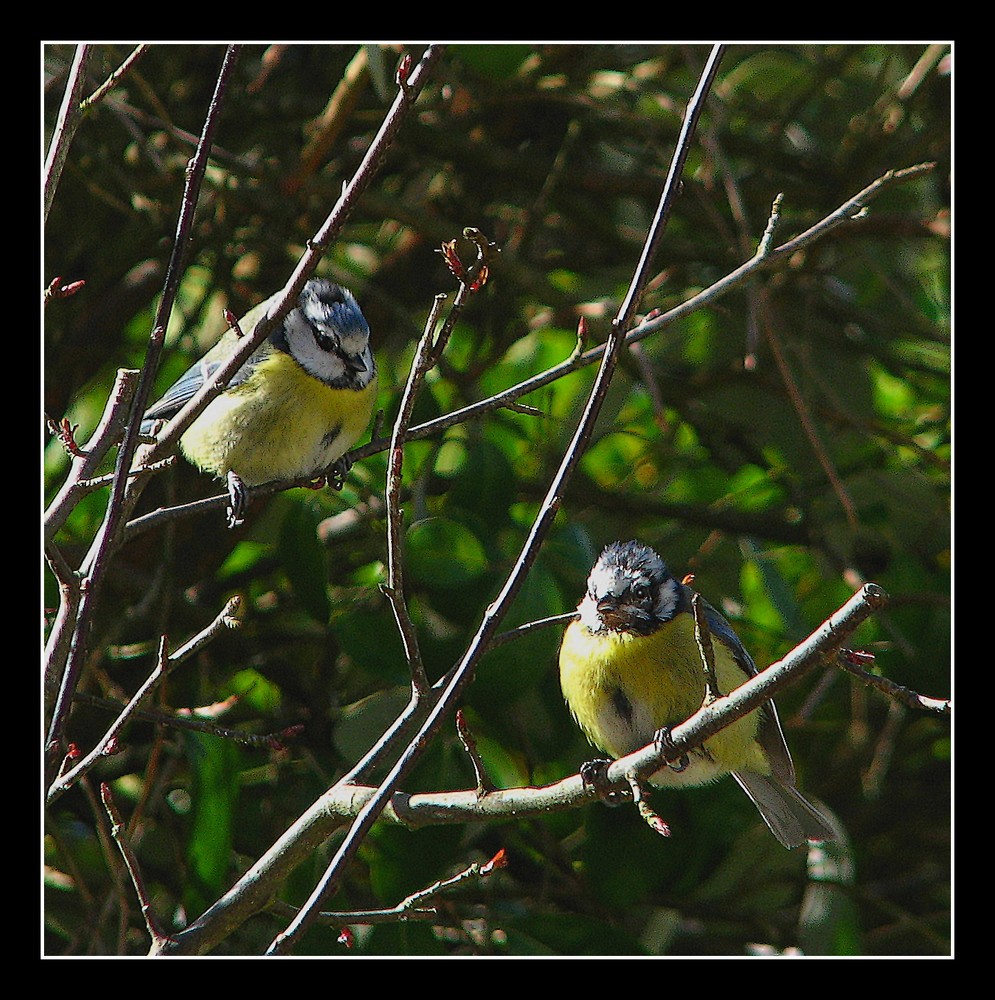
(782, 483)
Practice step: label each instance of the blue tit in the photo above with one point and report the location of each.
(294, 408)
(630, 667)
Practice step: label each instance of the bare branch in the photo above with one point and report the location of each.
(765, 258)
(117, 511)
(108, 743)
(159, 937)
(113, 80)
(394, 589)
(89, 457)
(65, 128)
(462, 673)
(850, 661)
(344, 800)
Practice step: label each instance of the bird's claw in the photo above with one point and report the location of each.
(337, 472)
(594, 775)
(238, 498)
(662, 740)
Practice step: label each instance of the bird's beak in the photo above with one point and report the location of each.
(355, 362)
(610, 613)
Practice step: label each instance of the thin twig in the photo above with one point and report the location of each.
(391, 915)
(113, 80)
(116, 511)
(427, 355)
(410, 908)
(703, 638)
(117, 869)
(765, 257)
(652, 819)
(192, 721)
(850, 662)
(522, 630)
(394, 588)
(466, 737)
(84, 464)
(108, 743)
(66, 125)
(159, 937)
(475, 870)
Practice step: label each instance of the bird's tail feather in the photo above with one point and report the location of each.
(790, 816)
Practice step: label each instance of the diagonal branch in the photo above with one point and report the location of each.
(394, 588)
(461, 675)
(766, 257)
(70, 116)
(108, 743)
(122, 500)
(116, 512)
(335, 807)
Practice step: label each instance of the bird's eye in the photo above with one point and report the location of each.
(325, 342)
(640, 591)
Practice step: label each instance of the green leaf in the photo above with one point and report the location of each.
(496, 61)
(444, 553)
(214, 791)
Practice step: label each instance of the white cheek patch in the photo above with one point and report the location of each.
(667, 602)
(588, 611)
(611, 579)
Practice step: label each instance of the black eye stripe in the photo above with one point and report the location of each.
(324, 340)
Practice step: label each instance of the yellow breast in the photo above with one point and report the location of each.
(621, 688)
(281, 423)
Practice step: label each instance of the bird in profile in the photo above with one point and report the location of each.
(296, 405)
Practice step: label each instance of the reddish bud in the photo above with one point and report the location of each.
(500, 860)
(482, 275)
(66, 433)
(403, 70)
(451, 257)
(56, 290)
(658, 824)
